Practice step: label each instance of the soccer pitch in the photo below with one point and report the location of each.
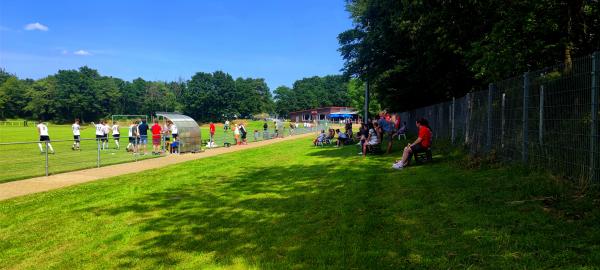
(25, 160)
(291, 205)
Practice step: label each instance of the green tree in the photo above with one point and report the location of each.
(42, 104)
(415, 53)
(356, 92)
(285, 101)
(12, 97)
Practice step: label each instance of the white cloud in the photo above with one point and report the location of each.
(36, 26)
(82, 52)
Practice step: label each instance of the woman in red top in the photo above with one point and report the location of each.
(156, 132)
(421, 144)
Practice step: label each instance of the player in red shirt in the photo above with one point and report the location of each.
(421, 144)
(211, 127)
(156, 132)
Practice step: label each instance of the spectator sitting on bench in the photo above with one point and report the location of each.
(321, 138)
(372, 139)
(421, 144)
(342, 138)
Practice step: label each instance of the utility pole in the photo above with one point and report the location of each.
(366, 118)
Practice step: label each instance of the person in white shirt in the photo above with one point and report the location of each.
(44, 137)
(105, 131)
(116, 134)
(76, 135)
(99, 132)
(372, 139)
(174, 131)
(133, 137)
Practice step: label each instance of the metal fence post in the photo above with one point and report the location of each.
(594, 123)
(488, 138)
(541, 123)
(98, 156)
(47, 169)
(366, 117)
(525, 117)
(503, 120)
(452, 119)
(467, 118)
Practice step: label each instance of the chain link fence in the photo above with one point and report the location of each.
(546, 119)
(20, 160)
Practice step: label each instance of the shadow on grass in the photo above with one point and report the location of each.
(311, 216)
(283, 217)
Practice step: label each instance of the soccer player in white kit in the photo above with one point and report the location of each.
(116, 134)
(76, 134)
(99, 132)
(105, 131)
(44, 137)
(133, 137)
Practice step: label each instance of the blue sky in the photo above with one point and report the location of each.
(281, 41)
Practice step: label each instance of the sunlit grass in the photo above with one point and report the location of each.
(295, 206)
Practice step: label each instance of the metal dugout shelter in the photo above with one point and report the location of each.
(188, 131)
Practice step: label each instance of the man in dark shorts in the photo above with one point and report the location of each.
(143, 129)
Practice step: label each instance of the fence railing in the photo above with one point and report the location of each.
(546, 118)
(20, 160)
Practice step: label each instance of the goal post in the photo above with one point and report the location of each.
(125, 119)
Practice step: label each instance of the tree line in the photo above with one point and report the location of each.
(87, 95)
(416, 53)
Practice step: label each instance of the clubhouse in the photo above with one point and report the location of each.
(332, 113)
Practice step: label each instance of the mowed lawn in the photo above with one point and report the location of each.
(294, 206)
(25, 160)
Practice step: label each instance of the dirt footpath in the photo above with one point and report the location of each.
(46, 183)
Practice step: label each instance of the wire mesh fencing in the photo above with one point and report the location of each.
(20, 160)
(546, 119)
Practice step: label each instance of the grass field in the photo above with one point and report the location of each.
(25, 160)
(294, 206)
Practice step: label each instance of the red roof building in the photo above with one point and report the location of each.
(324, 113)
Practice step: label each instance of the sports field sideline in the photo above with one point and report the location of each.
(45, 183)
(26, 161)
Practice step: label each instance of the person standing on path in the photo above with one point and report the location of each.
(143, 129)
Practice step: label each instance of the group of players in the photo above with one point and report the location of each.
(137, 132)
